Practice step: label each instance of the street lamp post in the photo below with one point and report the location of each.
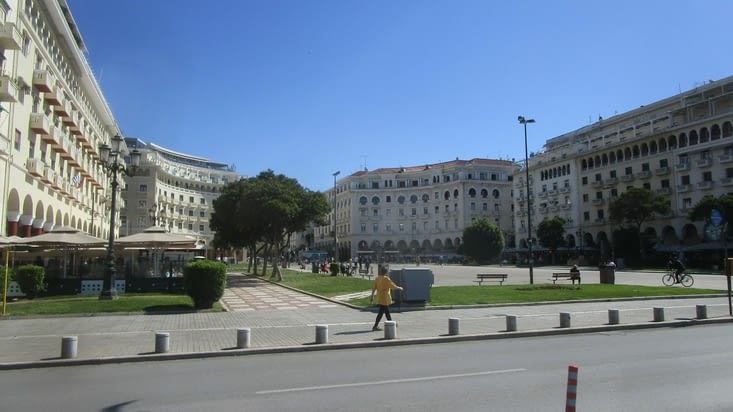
(524, 122)
(335, 237)
(113, 165)
(153, 214)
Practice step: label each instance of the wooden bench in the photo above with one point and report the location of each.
(364, 273)
(491, 277)
(566, 276)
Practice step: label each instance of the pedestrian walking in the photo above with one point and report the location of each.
(383, 286)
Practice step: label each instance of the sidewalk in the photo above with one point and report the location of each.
(285, 320)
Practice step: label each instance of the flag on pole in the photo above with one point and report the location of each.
(76, 180)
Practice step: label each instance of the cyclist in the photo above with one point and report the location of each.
(678, 267)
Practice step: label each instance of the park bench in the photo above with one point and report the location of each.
(566, 276)
(491, 277)
(364, 273)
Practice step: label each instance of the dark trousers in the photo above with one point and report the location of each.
(383, 310)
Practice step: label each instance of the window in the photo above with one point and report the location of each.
(687, 203)
(375, 212)
(586, 216)
(388, 199)
(585, 197)
(202, 201)
(363, 212)
(143, 189)
(473, 205)
(665, 183)
(202, 214)
(707, 176)
(614, 193)
(363, 228)
(400, 199)
(375, 227)
(647, 186)
(16, 144)
(414, 211)
(425, 211)
(663, 163)
(425, 198)
(645, 167)
(201, 228)
(584, 180)
(402, 212)
(375, 200)
(190, 227)
(402, 227)
(598, 177)
(612, 174)
(471, 192)
(413, 199)
(363, 200)
(685, 179)
(375, 185)
(599, 195)
(190, 212)
(388, 227)
(629, 171)
(190, 199)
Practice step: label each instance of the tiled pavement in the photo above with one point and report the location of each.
(246, 293)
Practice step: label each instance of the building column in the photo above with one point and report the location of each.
(25, 225)
(13, 218)
(37, 227)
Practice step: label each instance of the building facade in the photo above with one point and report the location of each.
(402, 213)
(680, 147)
(173, 190)
(53, 119)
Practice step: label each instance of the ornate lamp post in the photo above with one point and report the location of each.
(335, 237)
(153, 214)
(524, 122)
(113, 164)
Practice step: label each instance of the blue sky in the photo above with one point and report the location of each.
(306, 88)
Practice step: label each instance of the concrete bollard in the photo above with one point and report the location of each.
(511, 323)
(390, 329)
(658, 314)
(69, 347)
(162, 342)
(321, 334)
(702, 311)
(613, 317)
(454, 326)
(564, 319)
(243, 340)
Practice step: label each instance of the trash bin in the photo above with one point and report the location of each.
(416, 281)
(608, 275)
(314, 267)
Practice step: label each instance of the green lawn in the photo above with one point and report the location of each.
(131, 303)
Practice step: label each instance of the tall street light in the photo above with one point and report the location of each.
(335, 238)
(524, 122)
(113, 164)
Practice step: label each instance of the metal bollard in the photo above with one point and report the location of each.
(564, 319)
(162, 342)
(390, 329)
(702, 311)
(454, 327)
(243, 340)
(613, 317)
(511, 323)
(658, 314)
(321, 333)
(69, 346)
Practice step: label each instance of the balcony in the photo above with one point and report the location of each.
(48, 175)
(43, 80)
(681, 167)
(684, 188)
(665, 191)
(543, 210)
(552, 192)
(600, 221)
(627, 178)
(565, 189)
(54, 97)
(726, 158)
(54, 137)
(72, 120)
(726, 181)
(611, 181)
(8, 91)
(542, 194)
(4, 146)
(35, 167)
(10, 38)
(704, 162)
(63, 109)
(597, 202)
(597, 183)
(661, 171)
(554, 208)
(706, 184)
(565, 206)
(39, 123)
(644, 174)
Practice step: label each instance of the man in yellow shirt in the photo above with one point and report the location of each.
(383, 286)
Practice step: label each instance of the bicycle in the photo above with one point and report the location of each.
(668, 279)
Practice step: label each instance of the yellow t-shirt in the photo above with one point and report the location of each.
(383, 285)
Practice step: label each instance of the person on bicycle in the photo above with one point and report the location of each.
(678, 267)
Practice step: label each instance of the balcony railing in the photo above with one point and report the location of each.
(8, 91)
(661, 171)
(627, 178)
(644, 174)
(707, 162)
(10, 38)
(706, 184)
(664, 191)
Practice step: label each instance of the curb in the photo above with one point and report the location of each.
(312, 347)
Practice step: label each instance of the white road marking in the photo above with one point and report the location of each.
(388, 382)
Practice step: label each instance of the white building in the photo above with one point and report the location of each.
(405, 212)
(53, 119)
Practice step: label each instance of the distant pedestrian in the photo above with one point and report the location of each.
(383, 286)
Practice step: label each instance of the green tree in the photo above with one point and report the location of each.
(701, 210)
(637, 206)
(267, 210)
(482, 241)
(550, 234)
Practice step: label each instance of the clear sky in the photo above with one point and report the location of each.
(309, 87)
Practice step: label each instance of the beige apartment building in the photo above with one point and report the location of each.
(400, 213)
(173, 190)
(53, 119)
(680, 147)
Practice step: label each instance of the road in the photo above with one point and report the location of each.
(671, 369)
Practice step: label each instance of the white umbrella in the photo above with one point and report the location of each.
(157, 238)
(63, 236)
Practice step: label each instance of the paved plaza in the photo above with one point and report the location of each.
(280, 319)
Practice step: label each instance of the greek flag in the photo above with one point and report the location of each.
(76, 180)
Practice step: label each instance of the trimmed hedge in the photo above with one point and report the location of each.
(31, 280)
(204, 282)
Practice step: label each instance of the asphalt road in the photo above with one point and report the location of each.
(669, 370)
